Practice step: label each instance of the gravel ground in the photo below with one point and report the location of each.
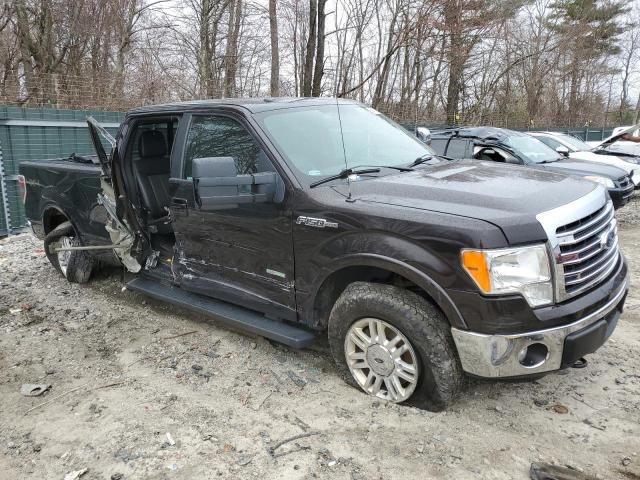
(125, 371)
(630, 213)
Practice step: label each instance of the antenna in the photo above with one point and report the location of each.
(344, 151)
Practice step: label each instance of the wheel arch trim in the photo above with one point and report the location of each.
(49, 207)
(403, 269)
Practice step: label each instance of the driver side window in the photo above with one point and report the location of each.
(219, 136)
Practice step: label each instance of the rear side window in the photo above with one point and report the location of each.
(218, 136)
(457, 148)
(439, 145)
(164, 131)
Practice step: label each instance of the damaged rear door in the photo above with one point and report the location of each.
(121, 224)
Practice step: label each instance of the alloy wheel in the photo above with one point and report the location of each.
(381, 359)
(63, 257)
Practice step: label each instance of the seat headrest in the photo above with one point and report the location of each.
(152, 144)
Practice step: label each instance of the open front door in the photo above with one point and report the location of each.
(114, 199)
(99, 135)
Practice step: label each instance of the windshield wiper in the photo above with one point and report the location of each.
(344, 174)
(426, 157)
(393, 167)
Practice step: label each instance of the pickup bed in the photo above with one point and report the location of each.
(298, 217)
(65, 188)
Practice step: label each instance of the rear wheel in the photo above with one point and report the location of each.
(75, 266)
(395, 345)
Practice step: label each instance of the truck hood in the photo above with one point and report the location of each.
(570, 166)
(607, 159)
(614, 145)
(617, 136)
(508, 196)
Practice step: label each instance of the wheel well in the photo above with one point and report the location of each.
(52, 218)
(334, 285)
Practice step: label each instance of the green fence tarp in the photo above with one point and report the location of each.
(38, 134)
(45, 133)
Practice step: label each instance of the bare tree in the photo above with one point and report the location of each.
(504, 62)
(307, 72)
(231, 55)
(630, 55)
(318, 71)
(275, 52)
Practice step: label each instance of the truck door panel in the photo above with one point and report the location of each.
(242, 252)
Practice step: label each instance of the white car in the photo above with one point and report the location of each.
(614, 145)
(573, 147)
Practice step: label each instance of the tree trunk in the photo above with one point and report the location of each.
(307, 72)
(360, 66)
(456, 61)
(572, 114)
(204, 55)
(453, 89)
(431, 103)
(231, 56)
(319, 67)
(381, 85)
(624, 95)
(296, 71)
(275, 53)
(637, 112)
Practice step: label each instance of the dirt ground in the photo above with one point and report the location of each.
(125, 371)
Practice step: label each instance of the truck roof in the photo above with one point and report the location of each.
(253, 105)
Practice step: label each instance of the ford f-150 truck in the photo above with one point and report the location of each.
(292, 217)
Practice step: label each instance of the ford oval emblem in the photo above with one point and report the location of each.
(607, 239)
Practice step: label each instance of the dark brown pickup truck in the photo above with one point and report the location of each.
(293, 217)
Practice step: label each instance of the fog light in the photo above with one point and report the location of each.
(533, 355)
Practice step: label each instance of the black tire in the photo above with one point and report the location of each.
(440, 377)
(79, 263)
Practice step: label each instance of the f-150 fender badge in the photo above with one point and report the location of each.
(315, 222)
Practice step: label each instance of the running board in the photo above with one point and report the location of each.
(226, 313)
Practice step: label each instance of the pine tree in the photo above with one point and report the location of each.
(590, 29)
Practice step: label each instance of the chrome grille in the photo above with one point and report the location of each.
(588, 250)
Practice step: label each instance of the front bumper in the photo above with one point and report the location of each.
(516, 355)
(621, 196)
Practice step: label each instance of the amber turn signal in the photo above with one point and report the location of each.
(475, 263)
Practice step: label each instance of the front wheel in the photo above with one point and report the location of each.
(395, 345)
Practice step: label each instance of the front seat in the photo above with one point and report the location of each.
(152, 170)
(490, 157)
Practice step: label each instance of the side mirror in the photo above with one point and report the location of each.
(217, 186)
(424, 135)
(562, 150)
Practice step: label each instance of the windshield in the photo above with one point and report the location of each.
(575, 143)
(310, 138)
(531, 149)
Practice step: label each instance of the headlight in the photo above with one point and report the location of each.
(607, 182)
(523, 270)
